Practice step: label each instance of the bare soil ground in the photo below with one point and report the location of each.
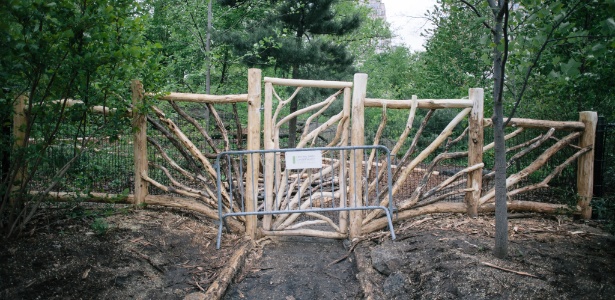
(450, 257)
(144, 254)
(168, 254)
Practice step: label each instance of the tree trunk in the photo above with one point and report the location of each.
(207, 49)
(501, 215)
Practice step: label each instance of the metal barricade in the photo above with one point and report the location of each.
(303, 183)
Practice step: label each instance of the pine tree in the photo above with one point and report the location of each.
(291, 38)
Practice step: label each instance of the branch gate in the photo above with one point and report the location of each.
(308, 196)
(307, 190)
(259, 193)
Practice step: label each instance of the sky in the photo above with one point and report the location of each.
(407, 21)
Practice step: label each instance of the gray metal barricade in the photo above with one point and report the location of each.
(305, 182)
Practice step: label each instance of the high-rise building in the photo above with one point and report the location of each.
(378, 11)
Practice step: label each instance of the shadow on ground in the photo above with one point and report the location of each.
(298, 268)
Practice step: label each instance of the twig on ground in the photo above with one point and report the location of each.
(508, 270)
(198, 285)
(347, 253)
(415, 223)
(357, 242)
(149, 260)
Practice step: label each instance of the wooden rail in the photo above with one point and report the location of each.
(545, 124)
(423, 103)
(309, 83)
(204, 98)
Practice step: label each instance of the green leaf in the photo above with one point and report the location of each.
(571, 68)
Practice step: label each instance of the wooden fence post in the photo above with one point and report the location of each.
(585, 169)
(343, 161)
(254, 143)
(475, 151)
(268, 143)
(355, 171)
(139, 126)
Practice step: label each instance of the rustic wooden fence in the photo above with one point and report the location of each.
(417, 185)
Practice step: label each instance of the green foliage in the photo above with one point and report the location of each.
(100, 226)
(66, 50)
(456, 57)
(294, 37)
(604, 209)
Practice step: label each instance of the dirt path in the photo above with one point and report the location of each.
(168, 254)
(299, 268)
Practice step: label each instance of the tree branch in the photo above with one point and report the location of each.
(478, 14)
(535, 62)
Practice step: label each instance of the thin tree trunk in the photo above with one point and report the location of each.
(501, 214)
(207, 47)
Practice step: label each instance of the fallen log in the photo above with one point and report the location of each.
(449, 207)
(161, 200)
(217, 289)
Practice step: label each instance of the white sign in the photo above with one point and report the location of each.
(303, 160)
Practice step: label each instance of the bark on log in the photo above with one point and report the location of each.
(139, 121)
(253, 143)
(545, 182)
(306, 126)
(408, 128)
(415, 142)
(161, 200)
(308, 83)
(423, 103)
(585, 167)
(506, 137)
(531, 147)
(217, 289)
(344, 215)
(535, 165)
(372, 153)
(220, 126)
(431, 148)
(414, 198)
(203, 98)
(531, 123)
(196, 125)
(448, 207)
(191, 162)
(442, 207)
(306, 232)
(355, 195)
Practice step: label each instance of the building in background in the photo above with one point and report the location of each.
(378, 11)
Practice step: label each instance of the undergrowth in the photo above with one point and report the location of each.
(604, 209)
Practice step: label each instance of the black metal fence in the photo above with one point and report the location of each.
(604, 159)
